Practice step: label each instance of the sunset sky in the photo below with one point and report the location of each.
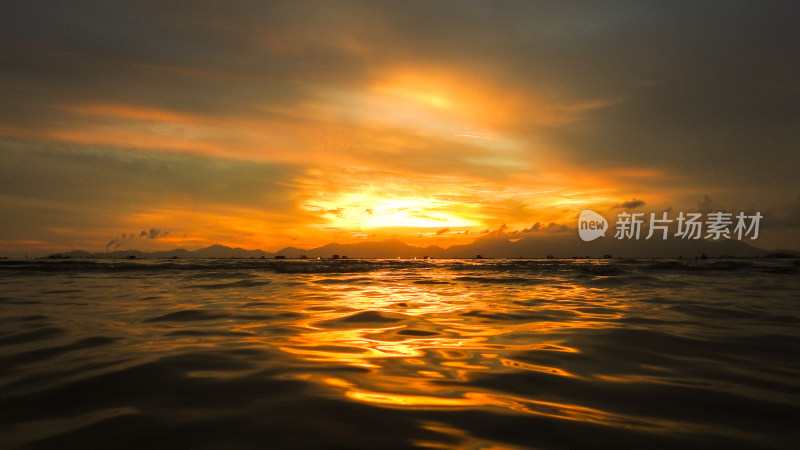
(155, 125)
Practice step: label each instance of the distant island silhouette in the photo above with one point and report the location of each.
(542, 245)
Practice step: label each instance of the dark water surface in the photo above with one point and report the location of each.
(393, 354)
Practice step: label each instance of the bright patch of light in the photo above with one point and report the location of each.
(368, 211)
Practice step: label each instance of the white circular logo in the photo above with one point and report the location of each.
(591, 225)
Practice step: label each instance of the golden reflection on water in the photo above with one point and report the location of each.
(411, 337)
(424, 327)
(507, 403)
(422, 345)
(461, 436)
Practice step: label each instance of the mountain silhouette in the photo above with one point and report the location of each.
(533, 245)
(391, 248)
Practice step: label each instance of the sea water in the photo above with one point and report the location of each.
(231, 354)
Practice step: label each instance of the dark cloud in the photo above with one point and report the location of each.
(551, 227)
(125, 238)
(153, 233)
(706, 205)
(112, 242)
(631, 204)
(443, 231)
(500, 231)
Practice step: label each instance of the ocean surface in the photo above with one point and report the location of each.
(241, 354)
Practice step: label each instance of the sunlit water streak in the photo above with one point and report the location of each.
(474, 354)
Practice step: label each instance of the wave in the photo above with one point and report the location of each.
(188, 315)
(499, 280)
(226, 268)
(232, 284)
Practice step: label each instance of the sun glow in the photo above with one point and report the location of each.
(364, 210)
(416, 95)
